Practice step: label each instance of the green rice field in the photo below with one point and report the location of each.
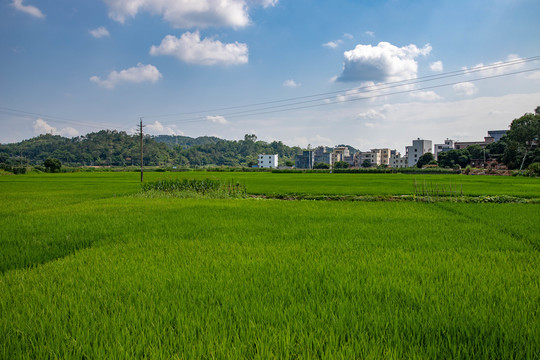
(88, 269)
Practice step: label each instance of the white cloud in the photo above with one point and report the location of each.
(333, 44)
(436, 66)
(42, 127)
(137, 74)
(371, 114)
(99, 32)
(191, 49)
(217, 120)
(291, 83)
(189, 13)
(382, 63)
(425, 95)
(348, 36)
(29, 9)
(370, 33)
(157, 128)
(465, 89)
(498, 68)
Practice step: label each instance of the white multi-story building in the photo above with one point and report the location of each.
(267, 161)
(419, 147)
(439, 148)
(398, 161)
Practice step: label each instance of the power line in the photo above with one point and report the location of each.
(332, 101)
(365, 88)
(32, 115)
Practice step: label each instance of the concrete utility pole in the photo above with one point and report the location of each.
(141, 136)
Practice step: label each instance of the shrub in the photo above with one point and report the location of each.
(19, 170)
(52, 165)
(534, 169)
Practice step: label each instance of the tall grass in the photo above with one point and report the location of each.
(225, 188)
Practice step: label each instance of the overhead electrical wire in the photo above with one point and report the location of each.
(298, 103)
(56, 119)
(332, 101)
(364, 88)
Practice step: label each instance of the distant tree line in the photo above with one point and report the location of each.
(117, 148)
(518, 149)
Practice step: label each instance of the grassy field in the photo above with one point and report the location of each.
(88, 271)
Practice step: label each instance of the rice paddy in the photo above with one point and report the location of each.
(88, 270)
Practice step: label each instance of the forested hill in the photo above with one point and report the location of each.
(117, 148)
(185, 141)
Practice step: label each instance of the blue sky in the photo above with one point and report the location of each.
(73, 67)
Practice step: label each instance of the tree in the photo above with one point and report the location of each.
(52, 164)
(454, 157)
(321, 165)
(476, 151)
(424, 160)
(341, 165)
(366, 163)
(289, 163)
(525, 132)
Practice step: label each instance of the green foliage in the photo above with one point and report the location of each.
(205, 186)
(52, 165)
(366, 163)
(477, 152)
(321, 165)
(534, 169)
(450, 159)
(424, 160)
(185, 142)
(341, 165)
(522, 142)
(19, 170)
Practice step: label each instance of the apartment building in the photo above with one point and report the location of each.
(304, 161)
(267, 161)
(419, 147)
(438, 148)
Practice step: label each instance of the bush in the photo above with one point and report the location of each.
(19, 170)
(534, 169)
(52, 165)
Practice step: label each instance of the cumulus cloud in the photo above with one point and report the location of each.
(382, 63)
(333, 44)
(465, 89)
(137, 74)
(436, 66)
(371, 114)
(217, 120)
(291, 83)
(191, 49)
(42, 127)
(425, 95)
(498, 67)
(99, 32)
(158, 128)
(29, 9)
(189, 13)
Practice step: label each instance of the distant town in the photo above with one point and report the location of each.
(327, 157)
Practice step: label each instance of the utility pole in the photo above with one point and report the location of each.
(141, 136)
